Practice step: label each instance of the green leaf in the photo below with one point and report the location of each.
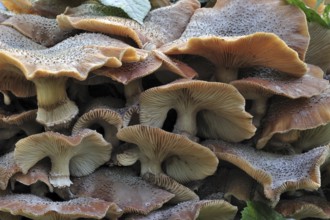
(260, 211)
(311, 15)
(135, 9)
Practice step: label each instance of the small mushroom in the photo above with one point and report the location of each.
(277, 173)
(259, 84)
(302, 122)
(109, 120)
(304, 207)
(201, 107)
(163, 181)
(183, 160)
(78, 155)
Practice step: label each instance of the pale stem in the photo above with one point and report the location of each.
(150, 166)
(60, 173)
(6, 98)
(132, 91)
(225, 75)
(51, 91)
(258, 109)
(186, 122)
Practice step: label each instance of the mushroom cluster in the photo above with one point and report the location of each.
(190, 115)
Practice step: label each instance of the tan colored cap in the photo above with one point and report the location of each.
(183, 159)
(200, 106)
(68, 154)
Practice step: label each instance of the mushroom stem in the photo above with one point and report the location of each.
(54, 106)
(6, 98)
(225, 74)
(132, 91)
(186, 122)
(258, 109)
(60, 173)
(150, 166)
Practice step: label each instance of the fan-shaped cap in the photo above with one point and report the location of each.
(231, 53)
(123, 187)
(184, 160)
(49, 68)
(204, 209)
(231, 18)
(38, 208)
(305, 207)
(78, 155)
(108, 119)
(277, 173)
(259, 84)
(287, 115)
(201, 106)
(181, 192)
(160, 26)
(44, 31)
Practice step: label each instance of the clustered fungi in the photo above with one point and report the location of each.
(190, 115)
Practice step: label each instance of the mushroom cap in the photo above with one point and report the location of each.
(267, 82)
(74, 57)
(192, 210)
(231, 18)
(38, 208)
(13, 80)
(285, 115)
(160, 26)
(214, 103)
(277, 173)
(184, 160)
(305, 207)
(163, 181)
(44, 31)
(129, 72)
(121, 186)
(108, 119)
(257, 49)
(78, 155)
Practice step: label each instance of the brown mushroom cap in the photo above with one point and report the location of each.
(108, 119)
(287, 115)
(68, 154)
(305, 207)
(192, 210)
(231, 18)
(44, 31)
(123, 187)
(181, 192)
(38, 208)
(160, 26)
(184, 160)
(231, 53)
(201, 106)
(277, 173)
(259, 84)
(49, 68)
